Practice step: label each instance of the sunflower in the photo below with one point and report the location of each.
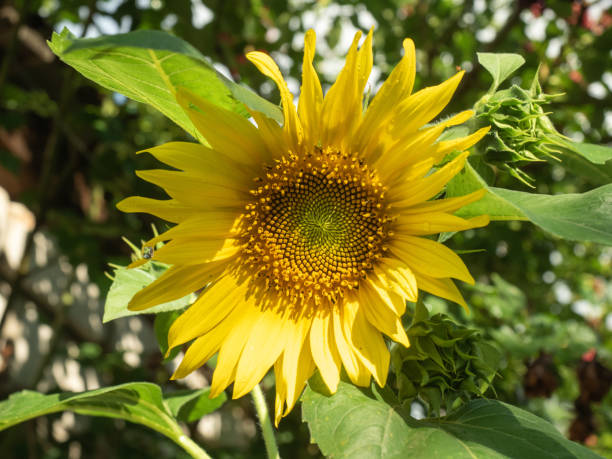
(307, 238)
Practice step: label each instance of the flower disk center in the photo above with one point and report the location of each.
(314, 227)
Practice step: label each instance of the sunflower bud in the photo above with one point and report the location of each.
(446, 363)
(521, 131)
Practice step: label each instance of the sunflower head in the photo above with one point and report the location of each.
(316, 225)
(308, 238)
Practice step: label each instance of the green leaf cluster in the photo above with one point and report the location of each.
(446, 363)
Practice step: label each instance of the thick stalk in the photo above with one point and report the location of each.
(266, 424)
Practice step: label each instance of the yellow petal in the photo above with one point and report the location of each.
(444, 288)
(201, 161)
(265, 343)
(421, 224)
(311, 94)
(430, 258)
(398, 179)
(367, 342)
(292, 126)
(292, 371)
(175, 283)
(355, 369)
(342, 105)
(227, 132)
(441, 149)
(397, 272)
(305, 369)
(406, 163)
(380, 315)
(194, 251)
(231, 349)
(365, 61)
(387, 282)
(394, 90)
(202, 225)
(202, 349)
(324, 351)
(281, 392)
(445, 205)
(418, 191)
(296, 349)
(423, 106)
(272, 135)
(170, 209)
(213, 305)
(181, 186)
(395, 162)
(391, 298)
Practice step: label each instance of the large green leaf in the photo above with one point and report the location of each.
(577, 164)
(577, 217)
(593, 162)
(148, 66)
(126, 282)
(141, 403)
(597, 154)
(355, 423)
(500, 66)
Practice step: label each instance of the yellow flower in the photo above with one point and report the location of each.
(307, 237)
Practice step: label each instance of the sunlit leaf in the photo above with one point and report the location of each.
(500, 65)
(148, 66)
(577, 217)
(355, 423)
(140, 403)
(597, 154)
(191, 405)
(126, 283)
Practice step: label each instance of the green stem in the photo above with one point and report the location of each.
(266, 424)
(191, 447)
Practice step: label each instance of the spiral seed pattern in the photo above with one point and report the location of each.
(314, 228)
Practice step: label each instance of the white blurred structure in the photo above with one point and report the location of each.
(16, 222)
